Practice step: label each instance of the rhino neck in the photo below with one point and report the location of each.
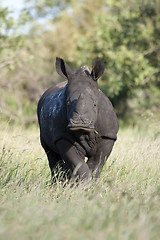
(107, 122)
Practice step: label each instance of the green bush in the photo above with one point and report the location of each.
(125, 34)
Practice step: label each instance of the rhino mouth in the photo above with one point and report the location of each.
(81, 128)
(85, 126)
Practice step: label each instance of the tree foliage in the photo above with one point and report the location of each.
(20, 73)
(126, 34)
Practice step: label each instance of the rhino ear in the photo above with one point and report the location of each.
(97, 69)
(62, 68)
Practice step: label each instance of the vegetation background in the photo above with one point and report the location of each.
(125, 204)
(126, 34)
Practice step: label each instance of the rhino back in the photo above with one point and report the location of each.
(52, 115)
(49, 92)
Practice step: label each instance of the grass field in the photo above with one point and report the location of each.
(124, 205)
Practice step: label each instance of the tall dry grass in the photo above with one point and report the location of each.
(124, 205)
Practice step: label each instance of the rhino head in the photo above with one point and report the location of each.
(81, 94)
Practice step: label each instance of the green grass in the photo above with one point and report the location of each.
(124, 205)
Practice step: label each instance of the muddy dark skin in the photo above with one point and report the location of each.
(76, 121)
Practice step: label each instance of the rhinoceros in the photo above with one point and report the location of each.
(77, 122)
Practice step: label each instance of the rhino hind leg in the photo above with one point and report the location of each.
(60, 170)
(96, 162)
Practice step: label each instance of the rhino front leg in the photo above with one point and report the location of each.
(74, 158)
(96, 162)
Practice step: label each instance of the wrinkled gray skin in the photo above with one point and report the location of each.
(76, 121)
